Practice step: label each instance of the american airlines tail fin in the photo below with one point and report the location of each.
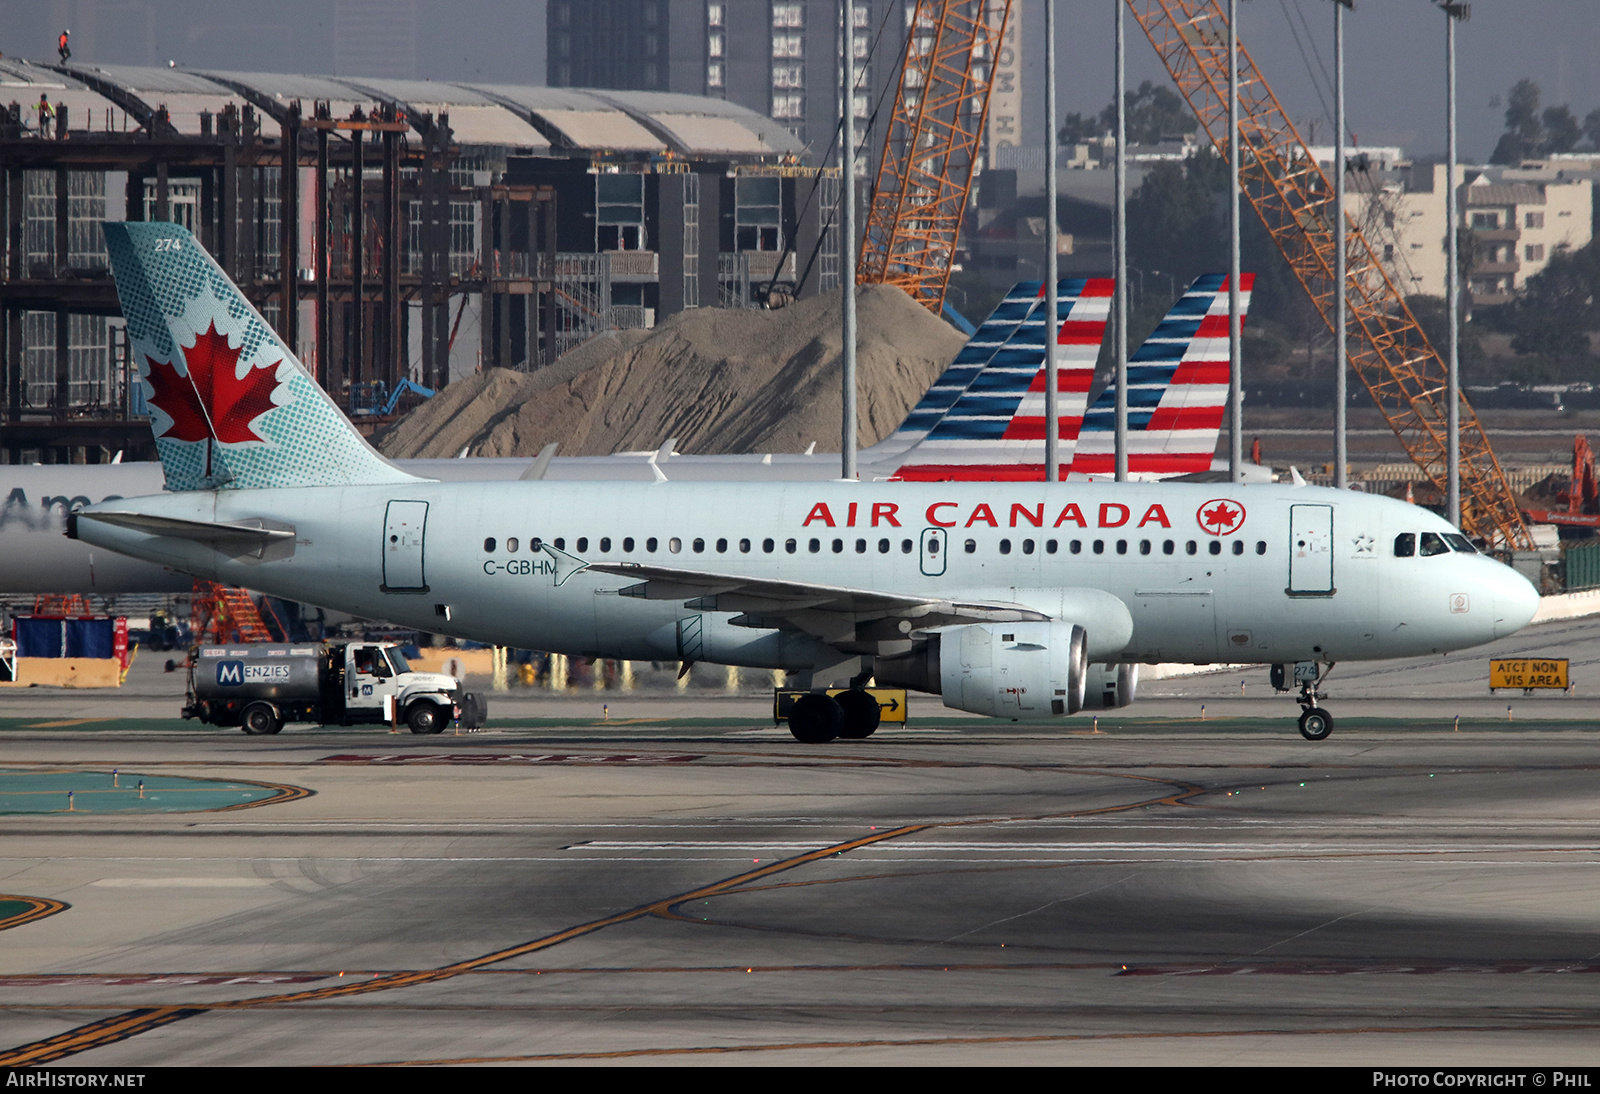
(230, 404)
(974, 356)
(1177, 390)
(995, 429)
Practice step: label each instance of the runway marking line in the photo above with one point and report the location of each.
(35, 907)
(999, 1039)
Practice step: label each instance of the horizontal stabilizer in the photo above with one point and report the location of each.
(244, 537)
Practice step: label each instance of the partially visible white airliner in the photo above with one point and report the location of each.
(1015, 600)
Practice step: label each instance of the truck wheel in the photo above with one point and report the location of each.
(425, 717)
(259, 719)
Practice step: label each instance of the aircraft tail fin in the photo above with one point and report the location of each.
(981, 346)
(230, 404)
(1177, 390)
(995, 428)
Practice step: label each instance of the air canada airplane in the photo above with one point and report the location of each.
(1019, 600)
(984, 414)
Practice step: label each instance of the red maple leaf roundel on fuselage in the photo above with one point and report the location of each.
(1220, 517)
(212, 392)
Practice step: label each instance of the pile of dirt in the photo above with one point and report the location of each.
(719, 380)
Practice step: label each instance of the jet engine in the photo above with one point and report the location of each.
(1111, 686)
(1003, 670)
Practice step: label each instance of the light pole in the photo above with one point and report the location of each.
(847, 440)
(1341, 452)
(1454, 12)
(1052, 412)
(1235, 387)
(1120, 246)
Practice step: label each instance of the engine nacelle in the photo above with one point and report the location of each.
(1014, 670)
(1111, 686)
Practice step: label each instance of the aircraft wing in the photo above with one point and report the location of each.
(832, 613)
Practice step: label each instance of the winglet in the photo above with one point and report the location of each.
(541, 463)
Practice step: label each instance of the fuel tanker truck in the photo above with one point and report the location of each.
(261, 686)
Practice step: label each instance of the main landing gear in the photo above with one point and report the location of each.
(1315, 722)
(817, 717)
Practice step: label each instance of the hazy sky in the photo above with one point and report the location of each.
(1394, 49)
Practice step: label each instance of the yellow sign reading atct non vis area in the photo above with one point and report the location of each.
(1528, 674)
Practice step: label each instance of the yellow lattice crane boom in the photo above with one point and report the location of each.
(931, 145)
(1294, 198)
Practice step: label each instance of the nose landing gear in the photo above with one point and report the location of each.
(1315, 722)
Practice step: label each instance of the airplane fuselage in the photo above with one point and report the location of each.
(1207, 573)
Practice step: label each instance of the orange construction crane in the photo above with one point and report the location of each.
(1294, 198)
(931, 145)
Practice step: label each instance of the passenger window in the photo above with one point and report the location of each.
(933, 546)
(488, 545)
(1431, 545)
(905, 546)
(1216, 546)
(883, 546)
(583, 543)
(1191, 547)
(535, 544)
(767, 546)
(1405, 545)
(1027, 546)
(1099, 546)
(1238, 546)
(744, 546)
(1167, 547)
(560, 543)
(1005, 546)
(1076, 547)
(627, 543)
(838, 546)
(861, 546)
(1261, 546)
(605, 544)
(651, 545)
(815, 545)
(722, 546)
(1122, 546)
(790, 546)
(511, 544)
(1049, 546)
(675, 545)
(1144, 546)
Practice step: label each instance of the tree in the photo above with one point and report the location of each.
(1524, 133)
(1561, 131)
(1155, 113)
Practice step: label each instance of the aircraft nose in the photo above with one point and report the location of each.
(1515, 602)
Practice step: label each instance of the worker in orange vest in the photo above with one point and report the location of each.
(63, 47)
(47, 115)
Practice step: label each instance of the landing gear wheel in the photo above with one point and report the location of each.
(425, 717)
(861, 714)
(815, 718)
(1315, 724)
(260, 719)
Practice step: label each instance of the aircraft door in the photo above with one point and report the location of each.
(403, 527)
(933, 551)
(1311, 550)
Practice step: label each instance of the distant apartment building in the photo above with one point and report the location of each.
(776, 57)
(1518, 219)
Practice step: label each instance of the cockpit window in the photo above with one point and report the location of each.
(1431, 544)
(1405, 545)
(1460, 543)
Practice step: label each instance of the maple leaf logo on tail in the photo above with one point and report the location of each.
(212, 402)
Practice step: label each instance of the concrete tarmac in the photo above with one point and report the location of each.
(706, 890)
